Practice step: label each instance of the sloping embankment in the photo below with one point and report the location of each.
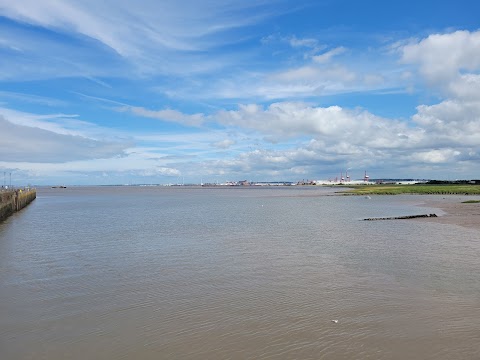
(15, 200)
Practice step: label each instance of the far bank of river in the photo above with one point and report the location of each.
(417, 189)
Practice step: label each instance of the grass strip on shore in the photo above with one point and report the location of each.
(426, 189)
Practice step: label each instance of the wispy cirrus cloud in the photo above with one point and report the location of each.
(327, 56)
(29, 98)
(166, 115)
(148, 35)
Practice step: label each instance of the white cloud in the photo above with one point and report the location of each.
(305, 42)
(450, 64)
(33, 99)
(436, 156)
(444, 133)
(20, 143)
(465, 86)
(299, 82)
(450, 122)
(224, 144)
(300, 79)
(167, 115)
(133, 166)
(442, 58)
(293, 119)
(41, 55)
(59, 123)
(315, 75)
(327, 56)
(160, 171)
(372, 80)
(148, 34)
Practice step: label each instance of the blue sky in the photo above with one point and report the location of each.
(118, 92)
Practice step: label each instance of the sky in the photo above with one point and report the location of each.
(188, 91)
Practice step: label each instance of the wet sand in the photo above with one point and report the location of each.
(455, 213)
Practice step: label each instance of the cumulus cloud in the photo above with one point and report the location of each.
(465, 86)
(292, 119)
(447, 60)
(451, 122)
(435, 156)
(450, 65)
(292, 163)
(438, 135)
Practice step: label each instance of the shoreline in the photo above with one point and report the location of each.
(454, 213)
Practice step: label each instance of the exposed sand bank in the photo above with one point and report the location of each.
(455, 213)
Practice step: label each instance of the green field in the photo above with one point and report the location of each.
(388, 189)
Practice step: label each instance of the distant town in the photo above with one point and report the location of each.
(331, 182)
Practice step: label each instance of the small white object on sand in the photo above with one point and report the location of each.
(335, 321)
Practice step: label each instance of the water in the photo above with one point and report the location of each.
(234, 273)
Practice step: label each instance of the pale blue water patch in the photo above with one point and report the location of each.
(215, 273)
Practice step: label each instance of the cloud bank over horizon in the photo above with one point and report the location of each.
(118, 92)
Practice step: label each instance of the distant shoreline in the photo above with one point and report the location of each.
(415, 189)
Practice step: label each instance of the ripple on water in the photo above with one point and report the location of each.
(146, 273)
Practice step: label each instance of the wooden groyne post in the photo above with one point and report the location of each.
(12, 201)
(402, 217)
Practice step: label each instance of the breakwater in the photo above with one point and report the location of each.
(402, 217)
(15, 200)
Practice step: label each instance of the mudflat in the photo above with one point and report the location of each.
(456, 213)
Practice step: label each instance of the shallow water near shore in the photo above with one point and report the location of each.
(234, 273)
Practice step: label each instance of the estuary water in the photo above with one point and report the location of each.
(234, 273)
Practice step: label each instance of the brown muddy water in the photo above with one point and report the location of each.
(234, 273)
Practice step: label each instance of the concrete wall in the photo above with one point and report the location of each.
(15, 200)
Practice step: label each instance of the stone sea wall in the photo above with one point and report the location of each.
(12, 201)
